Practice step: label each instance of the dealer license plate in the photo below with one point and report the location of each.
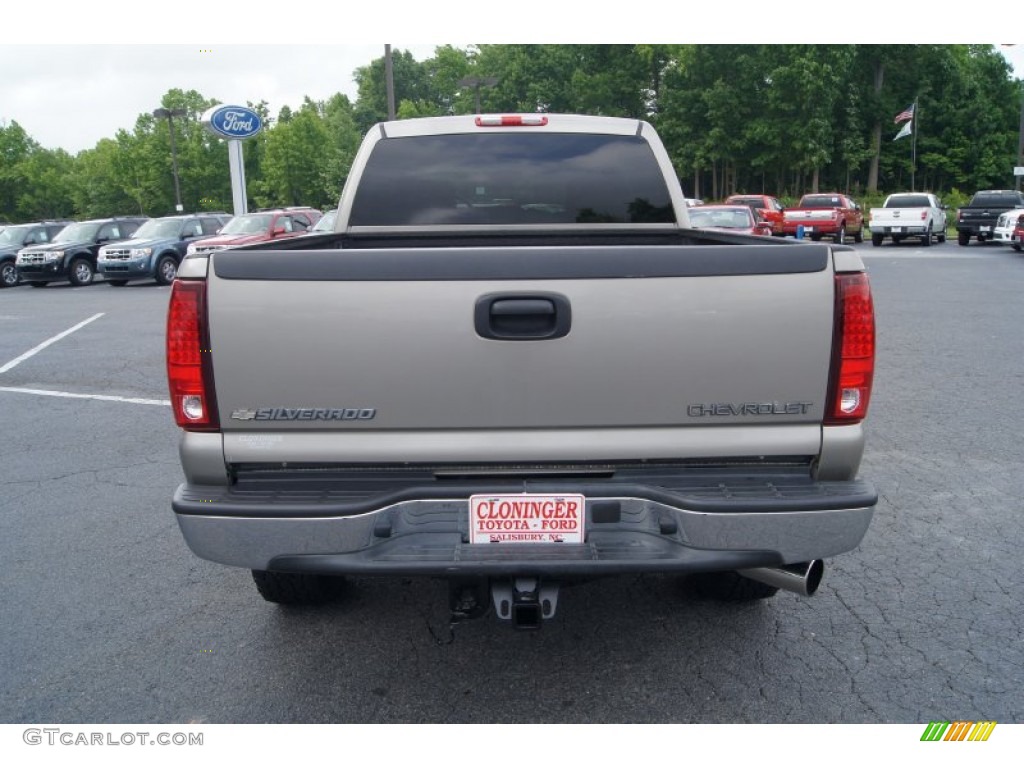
(808, 229)
(897, 229)
(526, 518)
(984, 229)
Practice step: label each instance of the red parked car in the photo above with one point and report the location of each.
(259, 227)
(738, 219)
(1017, 238)
(769, 208)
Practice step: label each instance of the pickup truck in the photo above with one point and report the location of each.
(769, 208)
(829, 214)
(909, 214)
(978, 218)
(513, 365)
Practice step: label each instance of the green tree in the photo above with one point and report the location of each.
(16, 146)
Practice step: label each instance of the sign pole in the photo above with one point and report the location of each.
(234, 124)
(237, 162)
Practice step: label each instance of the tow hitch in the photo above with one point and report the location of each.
(524, 601)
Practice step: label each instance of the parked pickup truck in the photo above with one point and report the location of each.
(825, 215)
(909, 214)
(512, 365)
(978, 218)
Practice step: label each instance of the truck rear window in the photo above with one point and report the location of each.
(821, 201)
(503, 178)
(997, 200)
(908, 201)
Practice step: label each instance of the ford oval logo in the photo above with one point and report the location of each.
(233, 122)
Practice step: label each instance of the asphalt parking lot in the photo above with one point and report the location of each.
(109, 618)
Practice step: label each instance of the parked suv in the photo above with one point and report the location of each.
(260, 227)
(14, 237)
(157, 248)
(72, 254)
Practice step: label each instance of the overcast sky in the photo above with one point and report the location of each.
(68, 94)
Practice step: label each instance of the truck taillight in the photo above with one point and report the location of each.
(853, 351)
(494, 121)
(189, 372)
(924, 214)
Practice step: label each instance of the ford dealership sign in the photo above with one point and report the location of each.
(231, 122)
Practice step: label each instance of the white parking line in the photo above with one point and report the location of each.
(111, 398)
(35, 350)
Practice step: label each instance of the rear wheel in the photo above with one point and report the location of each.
(8, 274)
(166, 270)
(296, 588)
(858, 236)
(729, 587)
(841, 235)
(1016, 247)
(81, 272)
(926, 238)
(816, 238)
(964, 238)
(876, 239)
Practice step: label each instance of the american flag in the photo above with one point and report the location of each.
(906, 114)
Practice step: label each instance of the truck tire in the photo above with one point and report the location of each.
(8, 274)
(166, 270)
(816, 238)
(80, 272)
(964, 238)
(858, 236)
(729, 587)
(876, 239)
(296, 588)
(840, 235)
(926, 238)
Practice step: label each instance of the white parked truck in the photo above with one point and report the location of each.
(918, 215)
(512, 365)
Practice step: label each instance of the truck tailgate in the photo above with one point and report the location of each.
(324, 356)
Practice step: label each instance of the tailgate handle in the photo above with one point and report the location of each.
(518, 317)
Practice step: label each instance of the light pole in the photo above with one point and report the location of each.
(476, 83)
(170, 114)
(1020, 140)
(389, 81)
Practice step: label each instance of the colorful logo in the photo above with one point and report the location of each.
(232, 122)
(960, 730)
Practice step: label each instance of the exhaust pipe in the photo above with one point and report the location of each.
(802, 578)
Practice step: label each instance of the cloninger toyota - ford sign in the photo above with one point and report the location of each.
(232, 122)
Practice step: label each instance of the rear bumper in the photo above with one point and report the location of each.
(713, 523)
(976, 229)
(899, 230)
(811, 227)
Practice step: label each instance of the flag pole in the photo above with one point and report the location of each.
(913, 143)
